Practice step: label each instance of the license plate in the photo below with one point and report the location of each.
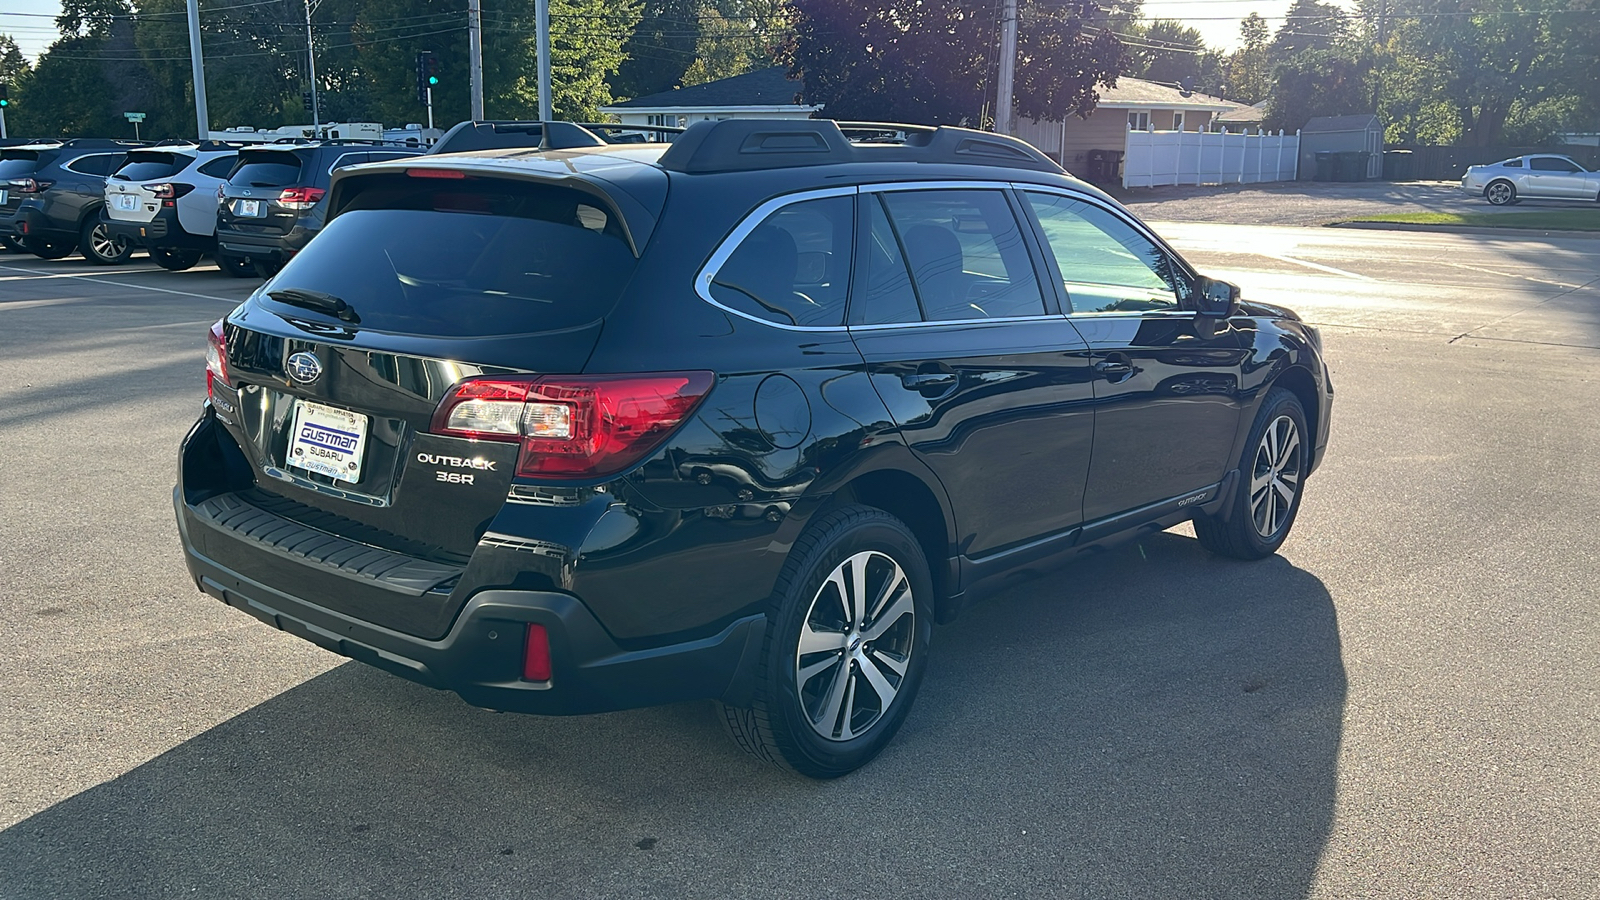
(251, 208)
(328, 440)
(127, 202)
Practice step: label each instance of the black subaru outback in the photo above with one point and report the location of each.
(736, 418)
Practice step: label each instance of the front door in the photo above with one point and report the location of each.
(1166, 386)
(988, 385)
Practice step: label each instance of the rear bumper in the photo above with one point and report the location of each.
(481, 656)
(28, 220)
(274, 248)
(161, 232)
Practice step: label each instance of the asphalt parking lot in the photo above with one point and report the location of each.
(1405, 703)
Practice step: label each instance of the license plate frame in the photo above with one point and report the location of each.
(248, 209)
(328, 441)
(127, 203)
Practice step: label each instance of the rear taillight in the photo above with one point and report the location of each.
(30, 186)
(536, 655)
(170, 190)
(216, 358)
(573, 426)
(300, 197)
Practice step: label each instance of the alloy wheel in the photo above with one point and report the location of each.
(1275, 477)
(104, 245)
(1500, 193)
(855, 646)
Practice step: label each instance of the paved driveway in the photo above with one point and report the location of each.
(1311, 203)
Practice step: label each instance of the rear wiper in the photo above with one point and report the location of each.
(318, 301)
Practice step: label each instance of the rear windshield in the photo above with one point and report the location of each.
(458, 258)
(266, 170)
(19, 163)
(150, 166)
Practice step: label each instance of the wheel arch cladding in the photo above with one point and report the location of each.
(904, 496)
(1298, 381)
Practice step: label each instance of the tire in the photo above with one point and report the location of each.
(100, 248)
(235, 266)
(812, 713)
(1277, 457)
(1500, 193)
(175, 260)
(47, 249)
(13, 244)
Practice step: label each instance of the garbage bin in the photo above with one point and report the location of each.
(1353, 165)
(1398, 165)
(1325, 165)
(1097, 166)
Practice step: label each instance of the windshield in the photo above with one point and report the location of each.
(464, 258)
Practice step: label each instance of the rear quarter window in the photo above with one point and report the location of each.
(460, 258)
(794, 267)
(94, 164)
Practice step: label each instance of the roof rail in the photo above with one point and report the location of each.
(734, 145)
(77, 143)
(499, 135)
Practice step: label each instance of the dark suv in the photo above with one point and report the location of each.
(274, 201)
(51, 194)
(738, 418)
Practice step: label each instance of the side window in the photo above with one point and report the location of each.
(1106, 265)
(219, 167)
(968, 258)
(793, 268)
(347, 159)
(1552, 164)
(97, 164)
(886, 293)
(1513, 163)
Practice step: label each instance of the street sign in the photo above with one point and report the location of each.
(133, 117)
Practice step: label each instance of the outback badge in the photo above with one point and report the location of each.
(304, 367)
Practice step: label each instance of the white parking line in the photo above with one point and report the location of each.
(1311, 265)
(135, 287)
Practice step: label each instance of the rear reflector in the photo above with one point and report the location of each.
(536, 659)
(573, 426)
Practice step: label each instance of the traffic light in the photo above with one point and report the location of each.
(305, 100)
(5, 100)
(427, 74)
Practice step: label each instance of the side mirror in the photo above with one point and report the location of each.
(1217, 298)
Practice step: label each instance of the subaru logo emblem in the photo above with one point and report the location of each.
(246, 193)
(304, 368)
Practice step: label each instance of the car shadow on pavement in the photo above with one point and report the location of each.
(1154, 722)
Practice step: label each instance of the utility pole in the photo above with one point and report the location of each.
(541, 16)
(197, 65)
(311, 68)
(475, 57)
(1004, 119)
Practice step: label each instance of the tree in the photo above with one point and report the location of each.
(1318, 83)
(1249, 68)
(1310, 25)
(931, 61)
(1169, 52)
(738, 36)
(660, 50)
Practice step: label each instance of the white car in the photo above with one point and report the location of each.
(1533, 177)
(164, 199)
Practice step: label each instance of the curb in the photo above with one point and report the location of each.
(1466, 229)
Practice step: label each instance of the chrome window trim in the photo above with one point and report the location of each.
(77, 159)
(702, 281)
(1131, 222)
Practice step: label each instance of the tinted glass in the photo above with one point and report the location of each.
(266, 170)
(97, 164)
(967, 254)
(1513, 163)
(794, 268)
(886, 295)
(19, 164)
(1106, 265)
(466, 258)
(219, 167)
(1550, 164)
(150, 166)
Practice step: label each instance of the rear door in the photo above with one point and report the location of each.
(989, 385)
(197, 209)
(1166, 382)
(82, 189)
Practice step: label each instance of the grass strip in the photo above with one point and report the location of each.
(1553, 219)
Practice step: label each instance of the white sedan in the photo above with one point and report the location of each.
(1532, 178)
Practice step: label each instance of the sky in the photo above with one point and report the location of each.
(30, 21)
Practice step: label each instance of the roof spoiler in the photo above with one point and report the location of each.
(734, 145)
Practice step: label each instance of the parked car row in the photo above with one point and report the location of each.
(252, 206)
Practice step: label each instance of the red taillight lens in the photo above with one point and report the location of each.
(216, 358)
(170, 191)
(436, 173)
(573, 426)
(31, 186)
(300, 197)
(536, 658)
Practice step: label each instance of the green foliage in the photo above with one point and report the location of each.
(738, 36)
(931, 61)
(1168, 52)
(1318, 83)
(1250, 67)
(660, 50)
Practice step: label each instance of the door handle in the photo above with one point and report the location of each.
(1112, 368)
(924, 380)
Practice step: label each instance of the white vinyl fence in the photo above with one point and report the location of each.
(1208, 157)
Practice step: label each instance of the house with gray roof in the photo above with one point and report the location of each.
(1132, 104)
